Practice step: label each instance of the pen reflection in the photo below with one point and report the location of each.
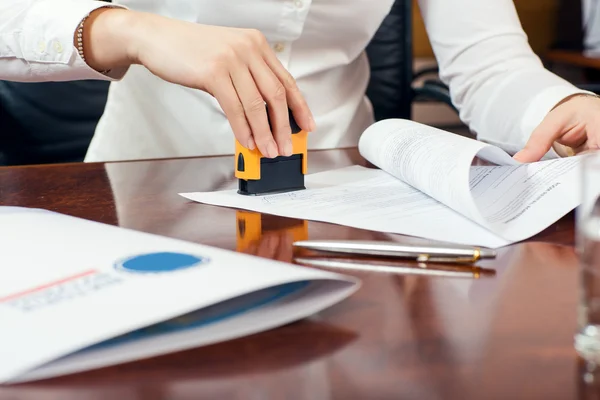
(393, 266)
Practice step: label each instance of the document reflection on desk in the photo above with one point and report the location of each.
(426, 186)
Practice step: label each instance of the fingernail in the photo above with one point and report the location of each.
(251, 144)
(287, 148)
(272, 149)
(312, 123)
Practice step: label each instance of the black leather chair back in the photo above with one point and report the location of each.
(391, 56)
(570, 15)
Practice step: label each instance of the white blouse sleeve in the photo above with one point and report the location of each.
(36, 41)
(499, 85)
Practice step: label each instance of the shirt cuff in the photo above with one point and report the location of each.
(47, 40)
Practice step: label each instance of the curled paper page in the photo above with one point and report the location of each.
(427, 186)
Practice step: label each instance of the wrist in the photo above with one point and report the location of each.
(107, 38)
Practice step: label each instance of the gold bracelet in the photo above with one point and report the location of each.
(80, 38)
(80, 43)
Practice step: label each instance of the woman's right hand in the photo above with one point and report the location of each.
(236, 66)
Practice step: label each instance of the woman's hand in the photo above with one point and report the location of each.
(236, 66)
(573, 127)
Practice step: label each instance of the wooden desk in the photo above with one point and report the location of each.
(508, 336)
(574, 58)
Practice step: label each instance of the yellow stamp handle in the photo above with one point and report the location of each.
(259, 174)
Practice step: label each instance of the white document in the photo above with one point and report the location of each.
(77, 295)
(427, 186)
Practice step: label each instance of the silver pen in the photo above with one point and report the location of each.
(420, 253)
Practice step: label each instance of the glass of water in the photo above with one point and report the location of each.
(587, 338)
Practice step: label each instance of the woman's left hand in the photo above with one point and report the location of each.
(572, 127)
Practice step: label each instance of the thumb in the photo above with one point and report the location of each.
(547, 132)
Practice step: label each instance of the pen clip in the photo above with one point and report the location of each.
(463, 260)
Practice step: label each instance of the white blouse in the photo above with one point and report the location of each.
(499, 85)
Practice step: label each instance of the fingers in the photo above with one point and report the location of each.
(274, 93)
(543, 136)
(229, 101)
(254, 109)
(296, 101)
(591, 135)
(255, 77)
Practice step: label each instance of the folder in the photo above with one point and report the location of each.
(77, 295)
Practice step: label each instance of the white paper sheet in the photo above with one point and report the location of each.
(517, 202)
(67, 284)
(428, 187)
(439, 164)
(374, 200)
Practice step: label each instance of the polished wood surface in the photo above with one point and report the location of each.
(507, 335)
(573, 58)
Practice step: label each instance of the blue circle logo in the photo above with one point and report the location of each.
(160, 262)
